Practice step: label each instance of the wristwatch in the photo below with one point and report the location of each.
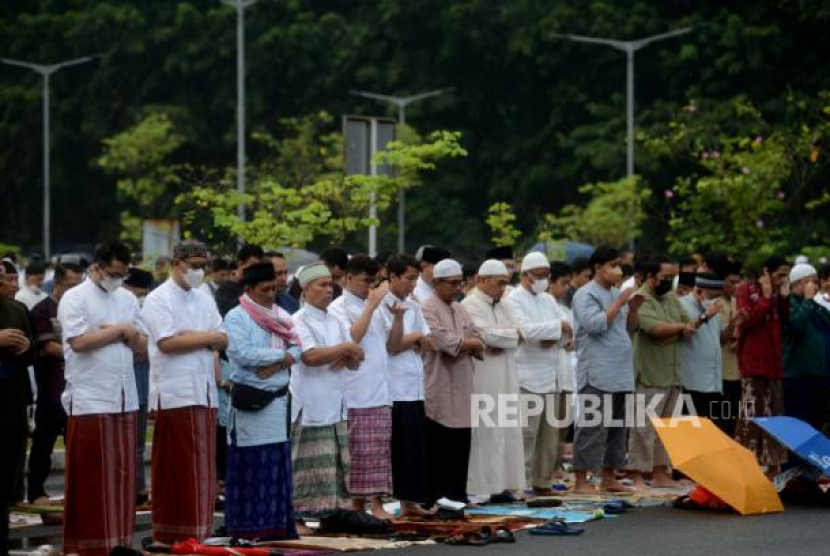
(703, 318)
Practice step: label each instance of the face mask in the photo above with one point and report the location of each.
(663, 287)
(539, 286)
(111, 284)
(194, 278)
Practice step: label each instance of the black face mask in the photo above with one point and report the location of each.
(663, 287)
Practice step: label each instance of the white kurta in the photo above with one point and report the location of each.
(497, 453)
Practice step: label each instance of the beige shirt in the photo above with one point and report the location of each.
(448, 375)
(729, 351)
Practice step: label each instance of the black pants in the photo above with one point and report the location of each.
(730, 406)
(807, 399)
(409, 473)
(221, 452)
(13, 431)
(50, 423)
(448, 458)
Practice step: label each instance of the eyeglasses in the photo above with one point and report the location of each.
(457, 284)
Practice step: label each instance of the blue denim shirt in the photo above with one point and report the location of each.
(249, 348)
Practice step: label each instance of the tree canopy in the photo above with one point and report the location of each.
(539, 117)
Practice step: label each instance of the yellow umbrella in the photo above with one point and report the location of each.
(717, 463)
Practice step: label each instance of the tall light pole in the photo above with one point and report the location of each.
(629, 47)
(240, 6)
(402, 103)
(46, 70)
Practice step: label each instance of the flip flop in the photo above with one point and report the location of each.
(503, 534)
(471, 538)
(556, 528)
(544, 503)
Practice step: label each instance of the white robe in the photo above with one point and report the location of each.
(497, 453)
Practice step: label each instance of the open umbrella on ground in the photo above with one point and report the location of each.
(716, 462)
(801, 438)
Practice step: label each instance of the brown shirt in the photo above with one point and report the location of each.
(448, 375)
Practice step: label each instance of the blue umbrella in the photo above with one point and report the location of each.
(801, 438)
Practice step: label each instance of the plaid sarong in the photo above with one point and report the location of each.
(370, 447)
(99, 509)
(320, 467)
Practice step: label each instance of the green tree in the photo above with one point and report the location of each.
(501, 219)
(147, 181)
(613, 214)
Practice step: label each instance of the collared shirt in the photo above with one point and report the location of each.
(539, 318)
(186, 378)
(657, 361)
(603, 351)
(29, 298)
(448, 374)
(423, 291)
(209, 288)
(728, 350)
(318, 393)
(823, 299)
(406, 369)
(700, 354)
(249, 348)
(566, 370)
(369, 385)
(100, 380)
(48, 370)
(286, 301)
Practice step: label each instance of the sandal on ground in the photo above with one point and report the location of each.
(556, 528)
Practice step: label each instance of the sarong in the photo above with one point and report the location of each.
(370, 452)
(183, 472)
(258, 492)
(760, 397)
(320, 466)
(99, 506)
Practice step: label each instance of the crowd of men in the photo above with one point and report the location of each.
(366, 379)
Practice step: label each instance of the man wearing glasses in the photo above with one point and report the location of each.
(99, 324)
(448, 381)
(184, 328)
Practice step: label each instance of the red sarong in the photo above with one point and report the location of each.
(184, 476)
(99, 506)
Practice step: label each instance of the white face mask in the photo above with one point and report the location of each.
(540, 286)
(194, 278)
(111, 284)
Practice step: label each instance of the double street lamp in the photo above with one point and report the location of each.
(46, 70)
(630, 48)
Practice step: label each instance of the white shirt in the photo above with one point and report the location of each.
(209, 288)
(539, 318)
(29, 298)
(186, 378)
(318, 393)
(566, 371)
(406, 369)
(823, 299)
(423, 291)
(369, 385)
(101, 380)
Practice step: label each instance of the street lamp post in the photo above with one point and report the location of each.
(401, 103)
(240, 6)
(46, 70)
(630, 48)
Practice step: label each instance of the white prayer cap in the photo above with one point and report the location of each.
(493, 267)
(801, 271)
(534, 260)
(313, 272)
(447, 268)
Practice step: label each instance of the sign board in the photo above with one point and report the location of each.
(158, 238)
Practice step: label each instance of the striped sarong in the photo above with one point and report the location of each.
(184, 476)
(258, 492)
(370, 449)
(320, 466)
(99, 508)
